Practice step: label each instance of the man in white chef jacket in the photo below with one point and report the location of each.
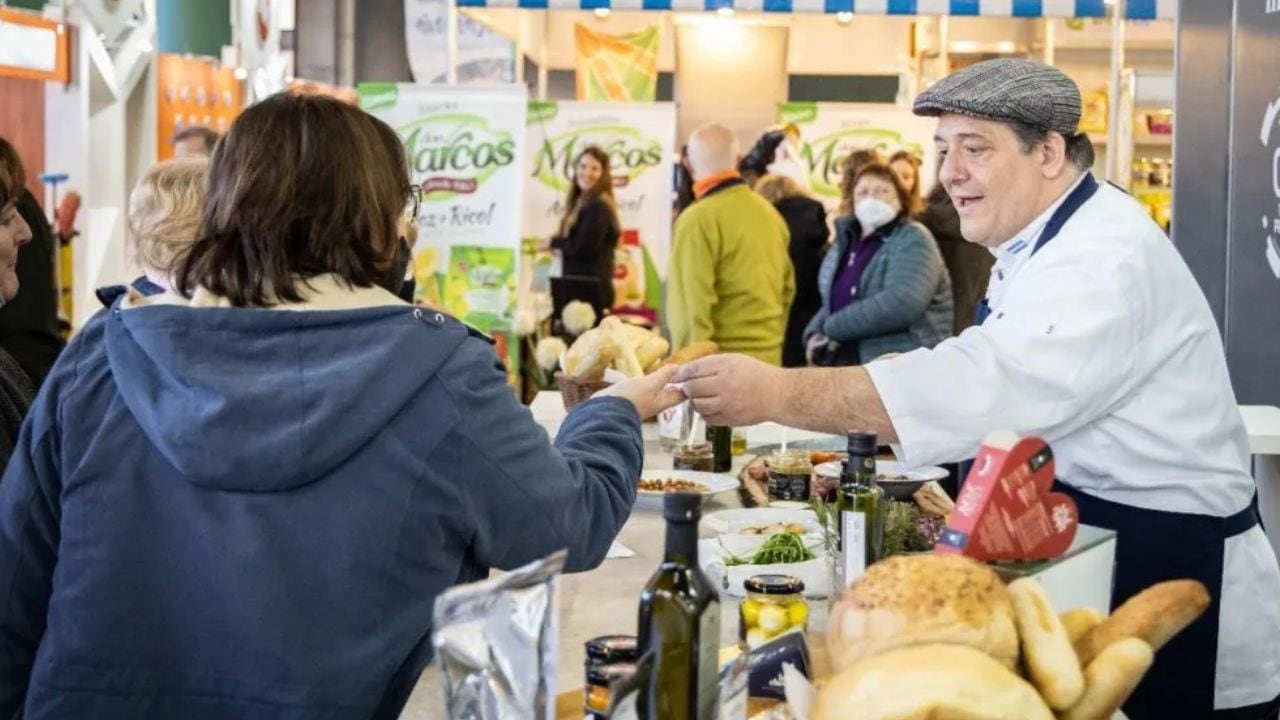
(1095, 336)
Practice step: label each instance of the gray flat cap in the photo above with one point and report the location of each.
(1009, 90)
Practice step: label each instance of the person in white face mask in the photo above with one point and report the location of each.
(884, 286)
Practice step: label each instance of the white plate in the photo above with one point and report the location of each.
(715, 483)
(814, 574)
(887, 467)
(731, 521)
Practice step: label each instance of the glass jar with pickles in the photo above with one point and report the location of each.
(774, 605)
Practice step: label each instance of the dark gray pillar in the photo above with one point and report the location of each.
(1253, 253)
(381, 55)
(1202, 137)
(316, 41)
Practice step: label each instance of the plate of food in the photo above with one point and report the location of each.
(783, 554)
(898, 482)
(655, 484)
(762, 521)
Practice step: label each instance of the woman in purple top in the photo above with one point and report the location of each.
(884, 286)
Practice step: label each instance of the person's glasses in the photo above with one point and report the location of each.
(414, 206)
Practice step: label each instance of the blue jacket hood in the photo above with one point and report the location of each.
(295, 393)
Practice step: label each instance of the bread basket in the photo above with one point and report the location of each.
(574, 392)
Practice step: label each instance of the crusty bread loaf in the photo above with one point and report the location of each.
(696, 351)
(923, 599)
(1110, 679)
(590, 355)
(1154, 615)
(1080, 621)
(1051, 662)
(929, 682)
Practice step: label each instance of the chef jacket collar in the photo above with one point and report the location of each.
(1015, 250)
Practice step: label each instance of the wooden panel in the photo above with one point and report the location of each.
(22, 124)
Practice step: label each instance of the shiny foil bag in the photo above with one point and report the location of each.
(495, 642)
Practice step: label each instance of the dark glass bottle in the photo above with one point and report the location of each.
(680, 622)
(861, 507)
(721, 439)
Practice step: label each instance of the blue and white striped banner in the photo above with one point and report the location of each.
(1137, 9)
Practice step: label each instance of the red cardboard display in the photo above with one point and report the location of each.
(1006, 510)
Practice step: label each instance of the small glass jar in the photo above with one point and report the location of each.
(609, 658)
(790, 474)
(774, 605)
(598, 694)
(698, 456)
(739, 442)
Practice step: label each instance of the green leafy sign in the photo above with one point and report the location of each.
(454, 154)
(630, 154)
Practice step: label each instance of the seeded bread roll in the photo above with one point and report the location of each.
(923, 599)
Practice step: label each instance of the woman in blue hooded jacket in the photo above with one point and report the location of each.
(239, 499)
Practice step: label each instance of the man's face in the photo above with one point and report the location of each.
(191, 147)
(997, 188)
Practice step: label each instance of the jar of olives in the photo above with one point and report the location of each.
(789, 475)
(774, 605)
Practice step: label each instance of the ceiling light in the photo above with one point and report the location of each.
(725, 12)
(602, 12)
(241, 73)
(844, 18)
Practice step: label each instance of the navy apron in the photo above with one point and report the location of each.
(1153, 546)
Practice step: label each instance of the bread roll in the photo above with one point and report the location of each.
(625, 360)
(696, 351)
(1051, 662)
(590, 355)
(923, 599)
(929, 682)
(1110, 679)
(1155, 615)
(1080, 621)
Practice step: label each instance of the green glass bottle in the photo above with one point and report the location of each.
(680, 622)
(861, 506)
(721, 439)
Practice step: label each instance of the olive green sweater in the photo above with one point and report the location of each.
(730, 278)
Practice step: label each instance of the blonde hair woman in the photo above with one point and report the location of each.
(807, 221)
(164, 218)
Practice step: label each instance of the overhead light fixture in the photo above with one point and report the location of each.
(241, 73)
(62, 29)
(147, 48)
(603, 12)
(725, 11)
(844, 18)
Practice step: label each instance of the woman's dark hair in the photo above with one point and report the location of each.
(917, 200)
(853, 163)
(12, 175)
(302, 185)
(884, 172)
(578, 198)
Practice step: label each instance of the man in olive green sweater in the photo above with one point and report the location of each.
(730, 278)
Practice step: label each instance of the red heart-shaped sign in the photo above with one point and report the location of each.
(1006, 510)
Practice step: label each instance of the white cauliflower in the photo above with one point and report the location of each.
(548, 352)
(542, 306)
(578, 317)
(526, 322)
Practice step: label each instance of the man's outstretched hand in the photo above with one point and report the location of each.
(733, 390)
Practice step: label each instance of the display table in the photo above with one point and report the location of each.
(605, 601)
(1262, 422)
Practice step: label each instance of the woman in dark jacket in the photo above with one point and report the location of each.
(884, 286)
(239, 499)
(16, 390)
(807, 221)
(588, 233)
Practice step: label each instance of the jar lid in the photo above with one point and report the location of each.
(697, 448)
(611, 648)
(774, 584)
(609, 674)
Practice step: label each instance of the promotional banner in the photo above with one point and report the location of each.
(640, 141)
(484, 56)
(617, 68)
(830, 131)
(465, 152)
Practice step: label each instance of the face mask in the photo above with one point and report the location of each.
(873, 214)
(393, 279)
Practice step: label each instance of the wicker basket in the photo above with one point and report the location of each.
(574, 392)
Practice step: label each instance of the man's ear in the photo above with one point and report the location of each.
(1053, 156)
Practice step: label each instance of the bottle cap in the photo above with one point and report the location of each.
(682, 507)
(774, 585)
(862, 443)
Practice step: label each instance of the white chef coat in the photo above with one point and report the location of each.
(1103, 344)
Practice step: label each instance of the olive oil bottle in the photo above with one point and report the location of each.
(861, 507)
(680, 622)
